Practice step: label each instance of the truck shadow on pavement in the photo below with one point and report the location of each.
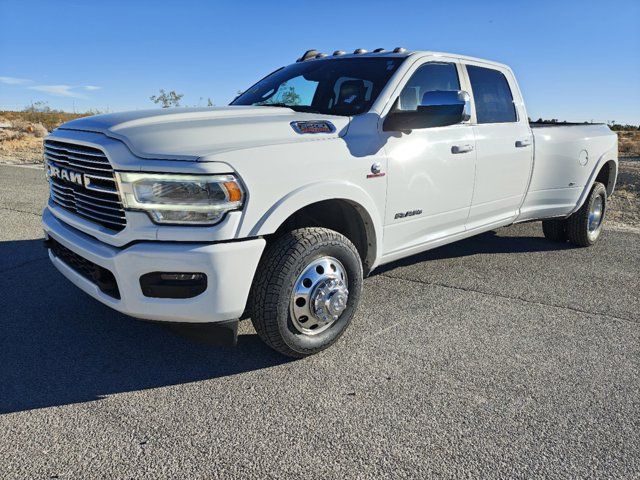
(59, 346)
(517, 240)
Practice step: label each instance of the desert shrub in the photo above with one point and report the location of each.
(39, 131)
(167, 99)
(7, 135)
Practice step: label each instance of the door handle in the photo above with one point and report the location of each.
(523, 143)
(461, 148)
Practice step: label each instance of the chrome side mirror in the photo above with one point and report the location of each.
(448, 102)
(438, 108)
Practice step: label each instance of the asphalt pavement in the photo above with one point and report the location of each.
(503, 355)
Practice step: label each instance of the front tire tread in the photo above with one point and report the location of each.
(272, 277)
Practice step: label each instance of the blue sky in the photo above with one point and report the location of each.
(575, 60)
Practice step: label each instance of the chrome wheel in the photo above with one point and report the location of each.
(595, 214)
(319, 296)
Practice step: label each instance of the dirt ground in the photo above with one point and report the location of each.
(24, 150)
(21, 143)
(624, 205)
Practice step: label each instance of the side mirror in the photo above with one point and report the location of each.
(437, 109)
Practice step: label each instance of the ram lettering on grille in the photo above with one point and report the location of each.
(82, 181)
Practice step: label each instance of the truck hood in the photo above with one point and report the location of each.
(192, 133)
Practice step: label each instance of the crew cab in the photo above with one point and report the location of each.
(275, 207)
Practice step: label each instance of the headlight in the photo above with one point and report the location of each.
(185, 199)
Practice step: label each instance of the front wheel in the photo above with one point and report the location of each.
(585, 226)
(306, 291)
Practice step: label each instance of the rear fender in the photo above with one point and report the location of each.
(609, 155)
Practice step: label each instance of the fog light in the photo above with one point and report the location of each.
(173, 284)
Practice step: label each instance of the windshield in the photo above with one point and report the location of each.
(340, 86)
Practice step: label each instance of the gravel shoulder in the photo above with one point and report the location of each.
(624, 207)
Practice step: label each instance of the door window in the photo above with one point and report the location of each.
(492, 95)
(428, 78)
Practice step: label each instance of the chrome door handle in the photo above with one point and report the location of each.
(461, 148)
(523, 143)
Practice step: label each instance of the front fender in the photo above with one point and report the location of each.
(306, 195)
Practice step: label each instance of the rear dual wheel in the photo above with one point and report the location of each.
(582, 228)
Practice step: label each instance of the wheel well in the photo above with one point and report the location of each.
(343, 216)
(607, 176)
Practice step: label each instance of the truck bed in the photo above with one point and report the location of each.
(565, 156)
(561, 124)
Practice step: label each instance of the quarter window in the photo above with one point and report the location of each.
(428, 78)
(492, 95)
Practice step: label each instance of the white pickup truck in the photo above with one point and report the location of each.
(278, 205)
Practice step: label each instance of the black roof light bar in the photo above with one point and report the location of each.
(313, 54)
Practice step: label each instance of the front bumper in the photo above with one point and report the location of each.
(229, 267)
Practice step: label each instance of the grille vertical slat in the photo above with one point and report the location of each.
(100, 204)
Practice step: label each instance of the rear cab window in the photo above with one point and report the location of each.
(492, 95)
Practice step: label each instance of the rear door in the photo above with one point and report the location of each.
(504, 145)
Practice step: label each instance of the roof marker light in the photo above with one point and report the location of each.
(307, 55)
(358, 51)
(379, 50)
(399, 50)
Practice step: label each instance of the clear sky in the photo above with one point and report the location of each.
(575, 60)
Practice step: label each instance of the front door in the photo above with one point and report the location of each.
(430, 170)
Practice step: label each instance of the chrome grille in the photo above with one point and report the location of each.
(97, 199)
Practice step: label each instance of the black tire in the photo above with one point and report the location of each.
(578, 231)
(555, 230)
(282, 262)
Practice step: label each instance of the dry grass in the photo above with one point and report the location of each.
(21, 142)
(48, 120)
(21, 134)
(21, 149)
(629, 143)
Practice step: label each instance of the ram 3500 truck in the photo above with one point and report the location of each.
(276, 206)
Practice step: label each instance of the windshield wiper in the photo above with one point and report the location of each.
(272, 105)
(295, 108)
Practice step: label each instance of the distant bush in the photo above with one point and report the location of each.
(612, 124)
(626, 128)
(41, 113)
(167, 99)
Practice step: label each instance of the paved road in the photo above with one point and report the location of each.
(501, 356)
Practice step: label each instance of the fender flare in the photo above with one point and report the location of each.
(609, 156)
(320, 191)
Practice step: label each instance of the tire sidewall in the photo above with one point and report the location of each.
(298, 341)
